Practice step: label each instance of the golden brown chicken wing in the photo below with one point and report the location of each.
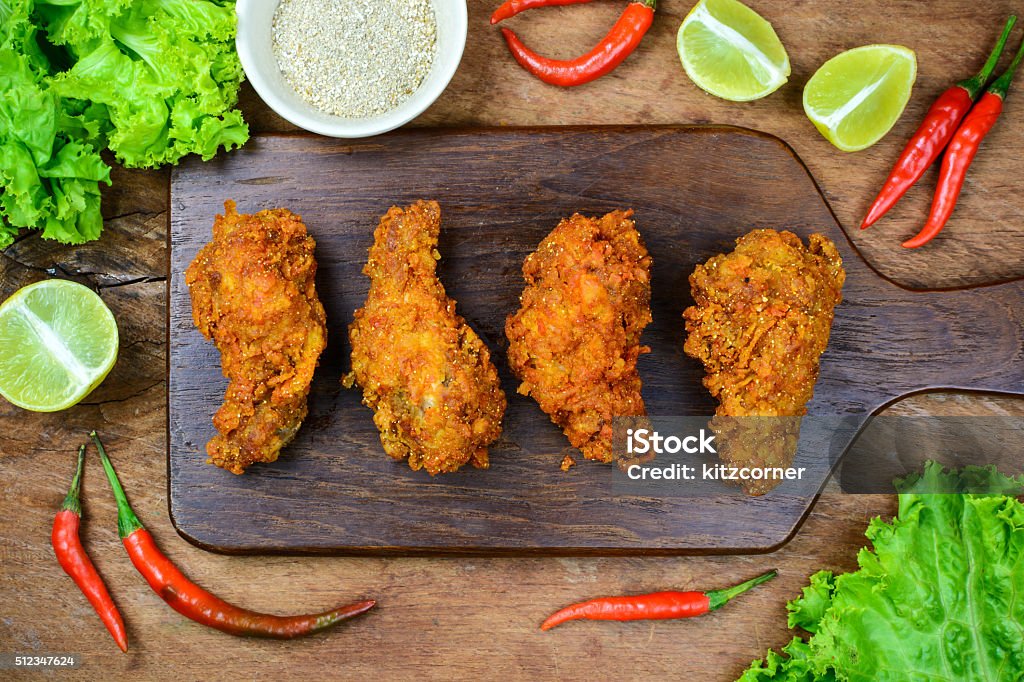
(253, 294)
(762, 319)
(575, 340)
(427, 375)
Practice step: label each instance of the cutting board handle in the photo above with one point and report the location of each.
(968, 339)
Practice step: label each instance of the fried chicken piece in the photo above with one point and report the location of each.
(429, 378)
(762, 319)
(575, 340)
(254, 296)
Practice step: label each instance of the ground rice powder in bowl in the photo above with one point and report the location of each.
(355, 58)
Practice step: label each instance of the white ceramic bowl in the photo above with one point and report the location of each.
(255, 18)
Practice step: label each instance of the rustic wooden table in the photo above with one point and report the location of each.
(486, 628)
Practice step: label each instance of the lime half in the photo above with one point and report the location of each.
(856, 97)
(58, 341)
(730, 51)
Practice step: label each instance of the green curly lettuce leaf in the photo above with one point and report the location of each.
(807, 611)
(166, 70)
(795, 666)
(50, 169)
(940, 596)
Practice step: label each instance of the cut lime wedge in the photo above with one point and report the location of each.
(856, 97)
(58, 341)
(730, 51)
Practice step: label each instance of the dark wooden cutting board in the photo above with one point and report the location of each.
(694, 190)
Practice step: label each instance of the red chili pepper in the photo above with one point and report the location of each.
(620, 42)
(653, 606)
(514, 7)
(194, 602)
(961, 152)
(934, 134)
(76, 563)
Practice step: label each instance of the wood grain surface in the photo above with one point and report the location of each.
(501, 191)
(445, 618)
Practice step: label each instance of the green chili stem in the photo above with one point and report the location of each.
(1002, 84)
(719, 598)
(127, 521)
(975, 84)
(72, 502)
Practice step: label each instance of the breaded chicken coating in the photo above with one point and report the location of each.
(575, 340)
(762, 319)
(427, 375)
(254, 295)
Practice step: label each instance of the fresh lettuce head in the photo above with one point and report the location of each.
(940, 596)
(152, 80)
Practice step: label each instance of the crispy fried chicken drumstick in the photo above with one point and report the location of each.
(575, 340)
(429, 378)
(762, 319)
(254, 296)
